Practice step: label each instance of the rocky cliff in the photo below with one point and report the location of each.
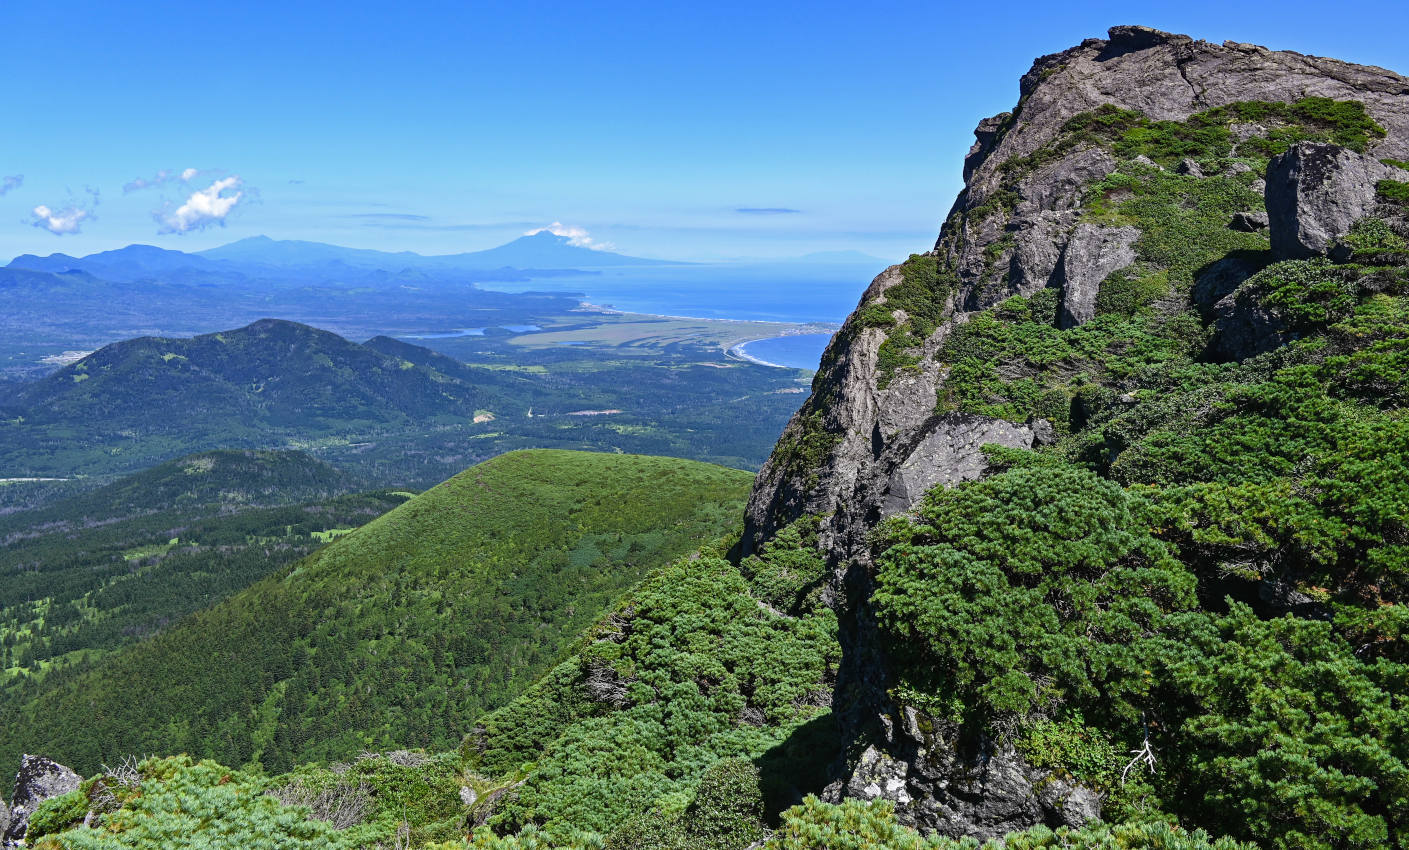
(1144, 173)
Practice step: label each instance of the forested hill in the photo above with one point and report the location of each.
(89, 574)
(230, 478)
(272, 372)
(145, 400)
(400, 634)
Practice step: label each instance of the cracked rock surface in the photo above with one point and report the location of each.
(38, 780)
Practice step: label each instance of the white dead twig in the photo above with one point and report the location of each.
(1145, 754)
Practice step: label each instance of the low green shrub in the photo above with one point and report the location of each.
(1026, 590)
(204, 806)
(1394, 191)
(856, 825)
(690, 669)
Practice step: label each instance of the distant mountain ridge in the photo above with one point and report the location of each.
(121, 265)
(539, 250)
(258, 255)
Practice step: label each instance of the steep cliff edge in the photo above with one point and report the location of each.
(1113, 228)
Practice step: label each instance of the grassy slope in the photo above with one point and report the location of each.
(401, 633)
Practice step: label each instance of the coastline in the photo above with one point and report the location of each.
(738, 352)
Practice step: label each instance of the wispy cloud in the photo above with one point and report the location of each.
(204, 207)
(767, 210)
(388, 216)
(161, 178)
(68, 219)
(13, 181)
(576, 236)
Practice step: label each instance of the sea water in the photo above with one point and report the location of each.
(799, 351)
(763, 292)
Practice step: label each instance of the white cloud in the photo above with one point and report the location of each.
(203, 208)
(12, 181)
(60, 222)
(576, 236)
(166, 175)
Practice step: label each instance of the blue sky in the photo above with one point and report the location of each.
(693, 131)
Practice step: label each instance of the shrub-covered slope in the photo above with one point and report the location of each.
(401, 633)
(1138, 426)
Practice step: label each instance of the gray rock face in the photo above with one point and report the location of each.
(1315, 192)
(1189, 167)
(857, 452)
(942, 785)
(1165, 76)
(1244, 328)
(947, 455)
(38, 780)
(1091, 255)
(4, 820)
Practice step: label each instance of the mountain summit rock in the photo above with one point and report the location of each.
(1143, 115)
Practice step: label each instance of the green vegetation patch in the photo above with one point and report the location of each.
(1207, 135)
(857, 825)
(400, 634)
(1028, 589)
(1012, 363)
(1394, 191)
(1183, 220)
(923, 295)
(689, 669)
(177, 802)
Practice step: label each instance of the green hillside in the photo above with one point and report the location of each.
(399, 634)
(105, 568)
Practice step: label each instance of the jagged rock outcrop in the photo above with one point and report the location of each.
(1164, 76)
(873, 436)
(38, 780)
(1315, 192)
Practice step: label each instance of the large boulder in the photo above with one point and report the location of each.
(1090, 257)
(38, 780)
(941, 785)
(1315, 192)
